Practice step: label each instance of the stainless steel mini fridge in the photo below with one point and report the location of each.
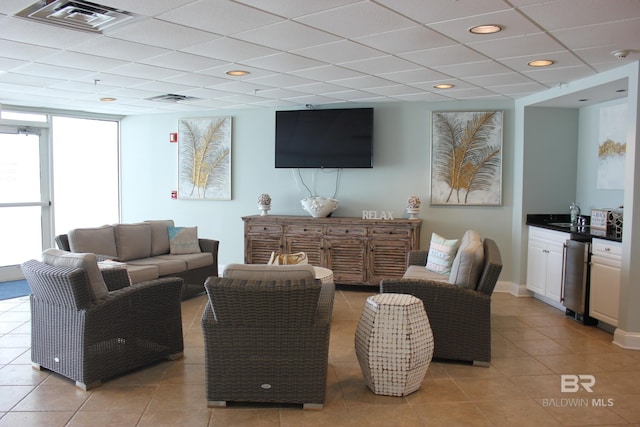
(575, 280)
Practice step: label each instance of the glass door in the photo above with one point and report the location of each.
(25, 212)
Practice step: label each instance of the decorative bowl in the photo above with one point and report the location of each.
(318, 206)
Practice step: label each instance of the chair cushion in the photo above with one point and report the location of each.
(183, 240)
(421, 273)
(160, 236)
(97, 240)
(441, 254)
(86, 261)
(269, 272)
(468, 263)
(288, 259)
(133, 241)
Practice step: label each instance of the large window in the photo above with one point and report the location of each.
(56, 173)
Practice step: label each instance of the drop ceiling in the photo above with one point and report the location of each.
(311, 52)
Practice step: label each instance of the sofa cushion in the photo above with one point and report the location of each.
(269, 272)
(142, 273)
(97, 240)
(183, 240)
(468, 263)
(193, 261)
(165, 266)
(441, 254)
(419, 272)
(133, 241)
(86, 261)
(160, 236)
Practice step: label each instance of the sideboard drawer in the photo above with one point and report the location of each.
(264, 228)
(346, 230)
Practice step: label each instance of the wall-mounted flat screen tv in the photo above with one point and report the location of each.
(330, 138)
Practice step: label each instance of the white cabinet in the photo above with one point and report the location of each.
(544, 263)
(604, 297)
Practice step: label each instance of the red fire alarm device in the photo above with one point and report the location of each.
(174, 194)
(173, 137)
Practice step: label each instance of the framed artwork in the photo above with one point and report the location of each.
(466, 158)
(204, 158)
(612, 147)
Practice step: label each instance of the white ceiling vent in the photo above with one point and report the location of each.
(78, 14)
(171, 97)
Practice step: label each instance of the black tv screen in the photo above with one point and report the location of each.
(331, 138)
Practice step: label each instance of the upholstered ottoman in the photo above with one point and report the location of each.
(394, 344)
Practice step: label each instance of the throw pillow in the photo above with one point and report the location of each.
(87, 261)
(441, 254)
(183, 240)
(467, 266)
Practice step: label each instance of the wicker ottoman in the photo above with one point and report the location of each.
(394, 344)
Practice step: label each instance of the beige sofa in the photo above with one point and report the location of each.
(150, 250)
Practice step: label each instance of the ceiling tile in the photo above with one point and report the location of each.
(286, 35)
(615, 34)
(118, 49)
(28, 52)
(326, 73)
(533, 44)
(555, 76)
(219, 16)
(414, 76)
(555, 15)
(385, 64)
(149, 8)
(405, 40)
(44, 70)
(183, 61)
(144, 71)
(482, 68)
(363, 82)
(229, 49)
(280, 80)
(443, 56)
(295, 8)
(340, 21)
(35, 33)
(163, 34)
(340, 51)
(430, 11)
(82, 61)
(283, 62)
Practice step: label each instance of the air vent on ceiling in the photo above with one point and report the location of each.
(78, 15)
(171, 97)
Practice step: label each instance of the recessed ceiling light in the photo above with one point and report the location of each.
(540, 63)
(238, 73)
(443, 86)
(485, 29)
(108, 99)
(583, 100)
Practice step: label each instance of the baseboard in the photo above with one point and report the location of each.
(512, 288)
(627, 340)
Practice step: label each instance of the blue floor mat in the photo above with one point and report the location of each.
(14, 289)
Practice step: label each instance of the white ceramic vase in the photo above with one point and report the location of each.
(318, 206)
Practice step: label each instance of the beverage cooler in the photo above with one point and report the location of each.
(575, 280)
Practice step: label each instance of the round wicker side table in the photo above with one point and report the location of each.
(394, 344)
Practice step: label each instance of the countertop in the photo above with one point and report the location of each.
(577, 232)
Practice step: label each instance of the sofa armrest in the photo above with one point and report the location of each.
(417, 257)
(211, 246)
(115, 278)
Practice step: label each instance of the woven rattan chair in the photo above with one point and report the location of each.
(267, 341)
(460, 317)
(89, 340)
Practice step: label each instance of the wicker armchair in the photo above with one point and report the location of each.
(89, 340)
(267, 340)
(460, 317)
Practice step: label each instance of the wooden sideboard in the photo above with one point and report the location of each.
(358, 251)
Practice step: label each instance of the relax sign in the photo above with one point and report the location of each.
(377, 215)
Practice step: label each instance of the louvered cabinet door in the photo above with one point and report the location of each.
(260, 240)
(387, 259)
(346, 257)
(307, 240)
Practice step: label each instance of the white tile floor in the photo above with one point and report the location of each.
(533, 345)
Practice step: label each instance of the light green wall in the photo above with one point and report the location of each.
(401, 168)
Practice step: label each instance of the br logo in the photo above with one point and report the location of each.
(573, 383)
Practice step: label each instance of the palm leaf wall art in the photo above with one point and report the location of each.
(204, 158)
(466, 158)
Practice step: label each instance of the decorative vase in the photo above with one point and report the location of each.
(264, 204)
(264, 209)
(318, 206)
(413, 212)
